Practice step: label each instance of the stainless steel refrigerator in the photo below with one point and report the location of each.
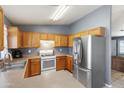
(89, 60)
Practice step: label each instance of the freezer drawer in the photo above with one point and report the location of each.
(75, 71)
(84, 76)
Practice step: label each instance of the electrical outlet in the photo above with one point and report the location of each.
(29, 51)
(60, 50)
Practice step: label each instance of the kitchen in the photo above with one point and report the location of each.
(44, 50)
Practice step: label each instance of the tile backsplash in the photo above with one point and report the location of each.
(35, 51)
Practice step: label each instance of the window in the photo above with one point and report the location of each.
(121, 47)
(2, 53)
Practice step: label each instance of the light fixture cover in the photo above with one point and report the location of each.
(59, 12)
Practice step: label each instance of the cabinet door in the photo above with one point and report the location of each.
(27, 39)
(27, 70)
(69, 64)
(51, 37)
(19, 39)
(57, 40)
(1, 30)
(14, 37)
(35, 39)
(60, 63)
(35, 68)
(43, 36)
(63, 41)
(70, 40)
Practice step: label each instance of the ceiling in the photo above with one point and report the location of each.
(40, 14)
(117, 12)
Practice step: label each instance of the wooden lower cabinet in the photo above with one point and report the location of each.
(60, 63)
(64, 63)
(69, 63)
(118, 63)
(33, 67)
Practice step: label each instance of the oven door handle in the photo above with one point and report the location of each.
(47, 59)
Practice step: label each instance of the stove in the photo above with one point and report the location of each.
(48, 60)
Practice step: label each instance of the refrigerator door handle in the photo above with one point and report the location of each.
(85, 70)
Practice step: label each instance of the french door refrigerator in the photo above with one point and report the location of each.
(89, 60)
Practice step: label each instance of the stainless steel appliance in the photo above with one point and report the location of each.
(89, 60)
(48, 59)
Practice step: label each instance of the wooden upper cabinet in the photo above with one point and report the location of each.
(57, 40)
(64, 40)
(14, 38)
(99, 31)
(1, 30)
(46, 36)
(35, 39)
(85, 33)
(61, 40)
(51, 37)
(31, 39)
(70, 40)
(27, 39)
(43, 36)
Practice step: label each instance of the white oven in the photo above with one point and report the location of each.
(48, 63)
(48, 59)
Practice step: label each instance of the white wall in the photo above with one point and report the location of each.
(117, 25)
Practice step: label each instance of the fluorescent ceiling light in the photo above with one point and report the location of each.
(59, 12)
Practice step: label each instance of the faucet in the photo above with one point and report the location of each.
(7, 57)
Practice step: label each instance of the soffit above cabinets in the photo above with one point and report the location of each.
(40, 14)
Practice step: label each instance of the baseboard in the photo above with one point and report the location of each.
(108, 86)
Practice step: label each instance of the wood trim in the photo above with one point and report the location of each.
(1, 30)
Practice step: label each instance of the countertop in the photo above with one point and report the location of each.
(27, 57)
(62, 54)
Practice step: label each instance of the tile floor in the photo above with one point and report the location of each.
(59, 79)
(117, 79)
